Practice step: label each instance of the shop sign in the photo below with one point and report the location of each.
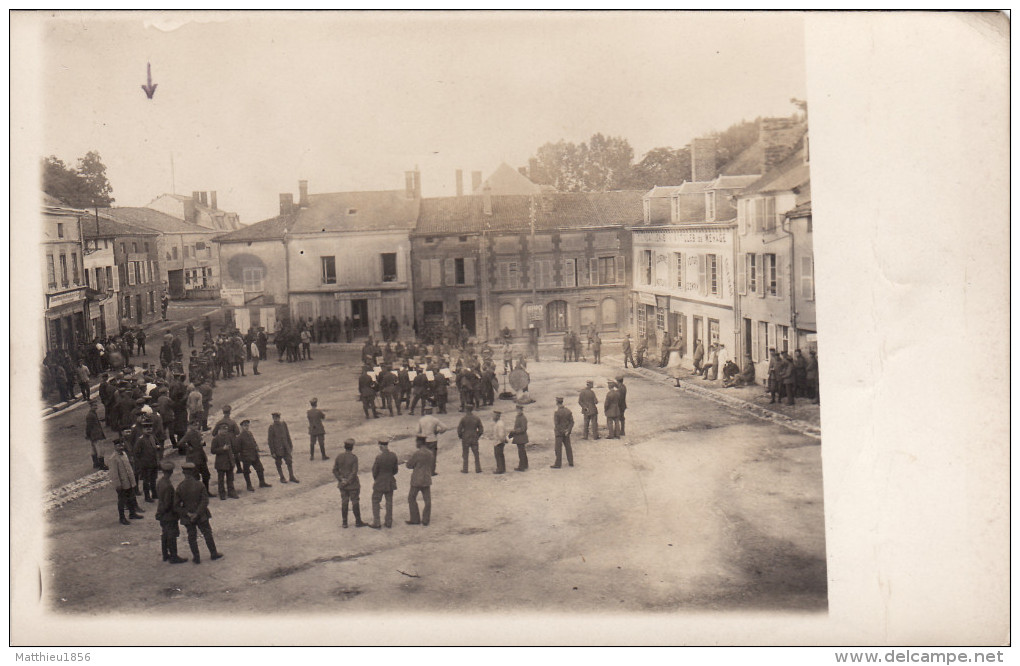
(646, 298)
(232, 296)
(66, 298)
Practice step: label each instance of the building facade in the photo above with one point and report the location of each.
(65, 318)
(776, 261)
(199, 209)
(253, 273)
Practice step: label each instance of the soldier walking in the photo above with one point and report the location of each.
(384, 472)
(281, 446)
(469, 430)
(94, 433)
(166, 514)
(421, 482)
(193, 508)
(345, 469)
(250, 457)
(563, 425)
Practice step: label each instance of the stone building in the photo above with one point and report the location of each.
(65, 310)
(199, 209)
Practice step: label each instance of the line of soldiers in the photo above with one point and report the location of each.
(789, 377)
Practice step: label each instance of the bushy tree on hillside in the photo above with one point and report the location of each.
(84, 186)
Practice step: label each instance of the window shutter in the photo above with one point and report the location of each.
(742, 214)
(763, 276)
(742, 276)
(469, 270)
(581, 272)
(772, 336)
(702, 275)
(621, 269)
(593, 271)
(781, 267)
(754, 342)
(759, 214)
(807, 278)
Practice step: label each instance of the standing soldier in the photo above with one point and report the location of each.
(82, 375)
(194, 452)
(612, 408)
(316, 431)
(147, 459)
(596, 349)
(627, 353)
(421, 462)
(469, 430)
(366, 389)
(280, 447)
(123, 477)
(223, 449)
(94, 433)
(519, 436)
(206, 390)
(787, 375)
(345, 469)
(563, 424)
(812, 378)
(166, 514)
(140, 341)
(622, 430)
(191, 334)
(384, 471)
(508, 357)
(429, 429)
(418, 386)
(389, 388)
(589, 409)
(568, 346)
(441, 392)
(227, 423)
(193, 509)
(256, 356)
(250, 457)
(499, 441)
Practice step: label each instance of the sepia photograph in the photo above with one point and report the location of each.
(538, 293)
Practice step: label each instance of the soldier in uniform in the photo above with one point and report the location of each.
(418, 386)
(166, 514)
(194, 450)
(384, 472)
(441, 391)
(589, 409)
(122, 475)
(563, 425)
(316, 431)
(420, 462)
(250, 457)
(627, 353)
(389, 389)
(192, 502)
(94, 433)
(280, 447)
(499, 441)
(227, 423)
(596, 349)
(612, 408)
(147, 459)
(519, 436)
(366, 389)
(622, 430)
(345, 469)
(429, 429)
(469, 430)
(223, 448)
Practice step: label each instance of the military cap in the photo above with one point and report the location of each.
(619, 378)
(167, 465)
(275, 414)
(497, 411)
(314, 401)
(226, 409)
(520, 407)
(590, 383)
(188, 465)
(348, 443)
(243, 421)
(559, 400)
(384, 442)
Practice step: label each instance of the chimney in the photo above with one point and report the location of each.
(409, 184)
(212, 200)
(202, 199)
(417, 182)
(196, 196)
(703, 166)
(486, 199)
(476, 180)
(460, 183)
(286, 203)
(303, 193)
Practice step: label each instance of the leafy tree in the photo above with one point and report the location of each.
(734, 140)
(84, 186)
(603, 163)
(660, 166)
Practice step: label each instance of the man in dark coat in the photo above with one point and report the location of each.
(389, 388)
(563, 425)
(166, 514)
(94, 433)
(589, 409)
(419, 385)
(612, 409)
(519, 436)
(384, 472)
(228, 424)
(223, 448)
(628, 354)
(812, 376)
(316, 431)
(788, 377)
(147, 460)
(345, 470)
(421, 482)
(800, 373)
(122, 476)
(469, 430)
(366, 391)
(250, 457)
(622, 424)
(281, 447)
(193, 509)
(194, 451)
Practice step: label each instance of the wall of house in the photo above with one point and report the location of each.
(141, 287)
(196, 255)
(435, 278)
(65, 320)
(268, 256)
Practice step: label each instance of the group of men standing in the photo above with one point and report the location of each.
(789, 377)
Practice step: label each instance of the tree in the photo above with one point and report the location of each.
(660, 166)
(601, 164)
(85, 186)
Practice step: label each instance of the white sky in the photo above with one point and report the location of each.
(249, 103)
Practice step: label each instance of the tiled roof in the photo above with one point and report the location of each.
(153, 219)
(733, 182)
(271, 229)
(555, 210)
(109, 228)
(788, 174)
(662, 191)
(801, 210)
(694, 187)
(385, 210)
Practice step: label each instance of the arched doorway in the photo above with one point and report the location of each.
(556, 316)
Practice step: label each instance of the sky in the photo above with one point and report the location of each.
(249, 103)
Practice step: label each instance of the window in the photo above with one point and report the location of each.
(807, 278)
(174, 251)
(138, 272)
(556, 316)
(134, 248)
(74, 268)
(458, 268)
(462, 239)
(607, 270)
(752, 272)
(127, 306)
(641, 323)
(609, 309)
(51, 272)
(712, 265)
(646, 266)
(88, 279)
(146, 248)
(713, 331)
(430, 239)
(709, 205)
(660, 319)
(63, 270)
(771, 275)
(109, 278)
(199, 245)
(152, 302)
(168, 256)
(123, 249)
(130, 270)
(783, 338)
(60, 229)
(389, 266)
(508, 275)
(328, 270)
(678, 260)
(432, 272)
(569, 273)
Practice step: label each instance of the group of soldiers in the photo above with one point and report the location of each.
(572, 348)
(789, 377)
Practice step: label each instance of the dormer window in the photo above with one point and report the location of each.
(648, 211)
(710, 206)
